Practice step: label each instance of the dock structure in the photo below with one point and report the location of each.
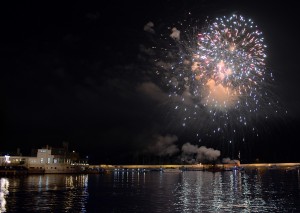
(197, 166)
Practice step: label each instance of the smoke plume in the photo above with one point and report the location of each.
(193, 153)
(164, 145)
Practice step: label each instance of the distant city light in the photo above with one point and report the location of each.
(7, 158)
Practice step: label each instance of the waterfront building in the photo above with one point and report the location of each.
(48, 160)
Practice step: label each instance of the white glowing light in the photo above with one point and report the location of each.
(6, 159)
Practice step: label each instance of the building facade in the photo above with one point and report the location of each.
(48, 160)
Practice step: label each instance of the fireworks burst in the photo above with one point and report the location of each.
(229, 60)
(219, 69)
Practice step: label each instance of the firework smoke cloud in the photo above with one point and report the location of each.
(193, 153)
(164, 145)
(149, 27)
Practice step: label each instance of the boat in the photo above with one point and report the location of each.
(13, 170)
(95, 171)
(63, 169)
(36, 170)
(293, 168)
(172, 170)
(214, 168)
(273, 167)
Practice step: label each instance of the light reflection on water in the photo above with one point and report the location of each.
(4, 184)
(47, 193)
(193, 191)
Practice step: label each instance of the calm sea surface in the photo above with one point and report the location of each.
(190, 191)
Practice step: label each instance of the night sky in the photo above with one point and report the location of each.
(76, 72)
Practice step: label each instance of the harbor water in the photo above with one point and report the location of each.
(131, 191)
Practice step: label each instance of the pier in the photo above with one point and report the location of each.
(197, 166)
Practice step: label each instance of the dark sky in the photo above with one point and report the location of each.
(74, 72)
